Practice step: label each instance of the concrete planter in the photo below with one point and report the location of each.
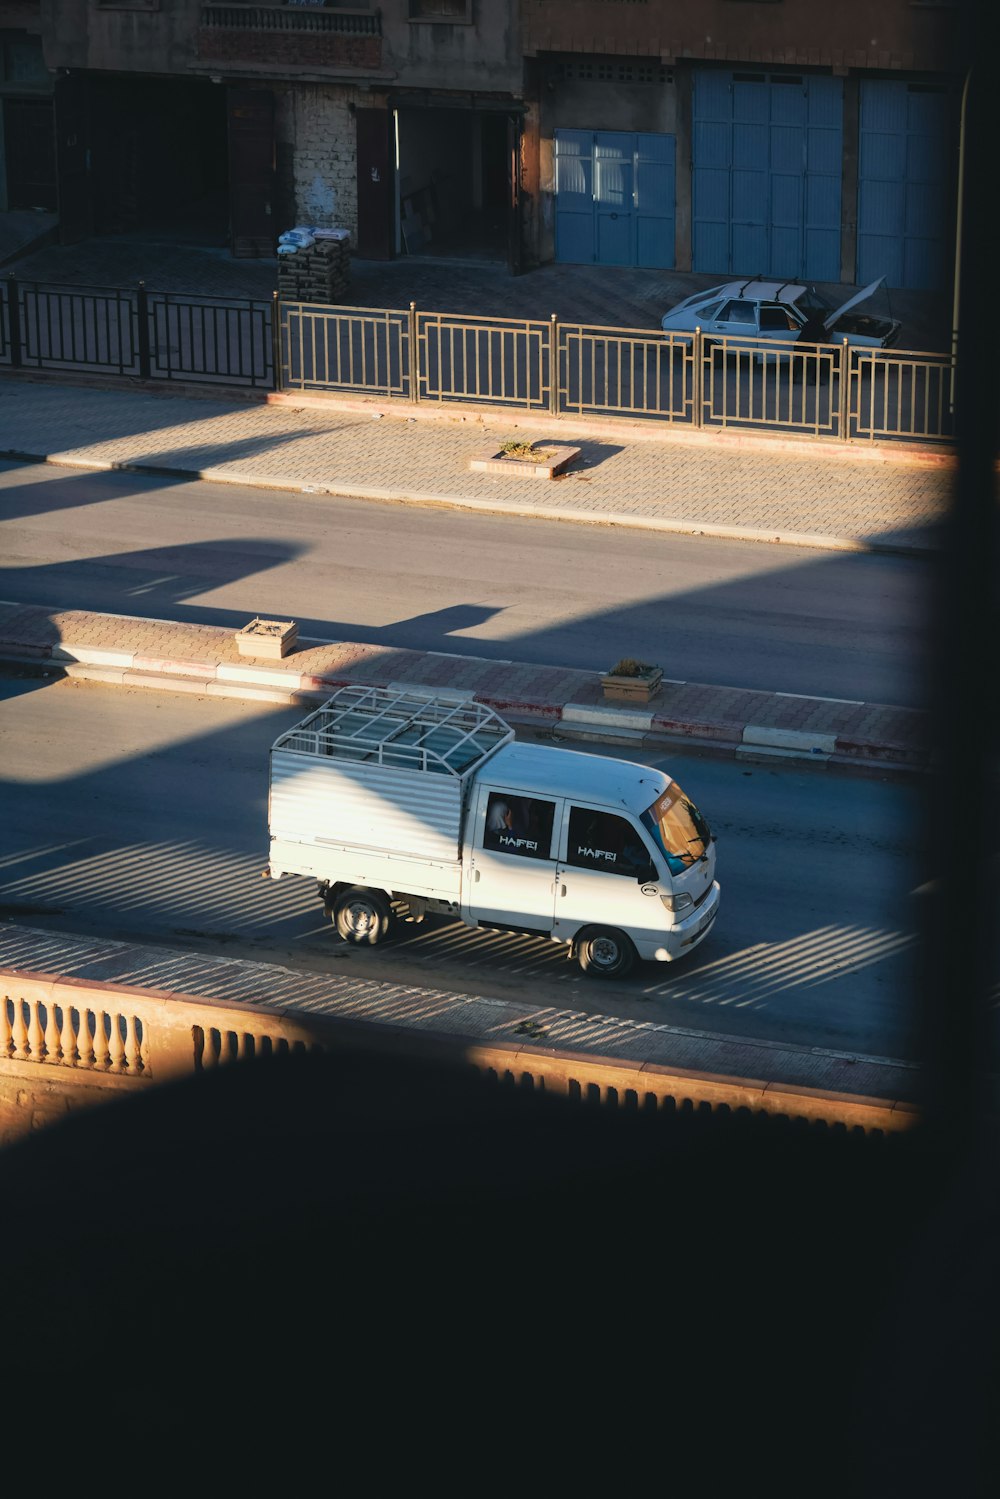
(551, 459)
(637, 689)
(269, 638)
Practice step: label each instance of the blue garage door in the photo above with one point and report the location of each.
(766, 178)
(614, 195)
(905, 192)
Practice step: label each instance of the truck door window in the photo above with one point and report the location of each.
(602, 840)
(519, 825)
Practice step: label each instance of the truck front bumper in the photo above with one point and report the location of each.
(667, 947)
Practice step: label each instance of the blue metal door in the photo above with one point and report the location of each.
(905, 196)
(767, 174)
(574, 194)
(655, 197)
(614, 156)
(614, 198)
(749, 181)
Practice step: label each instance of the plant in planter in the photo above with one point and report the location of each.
(515, 456)
(631, 681)
(523, 450)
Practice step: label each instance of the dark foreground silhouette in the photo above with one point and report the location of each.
(396, 1275)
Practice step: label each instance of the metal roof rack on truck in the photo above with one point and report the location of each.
(400, 727)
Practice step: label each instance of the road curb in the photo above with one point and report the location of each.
(278, 683)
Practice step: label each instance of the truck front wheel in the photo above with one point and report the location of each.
(604, 953)
(361, 915)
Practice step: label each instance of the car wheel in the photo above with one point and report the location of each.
(362, 916)
(605, 953)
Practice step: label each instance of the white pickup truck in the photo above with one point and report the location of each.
(403, 804)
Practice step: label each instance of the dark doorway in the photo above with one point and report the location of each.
(159, 159)
(453, 183)
(251, 172)
(493, 169)
(30, 153)
(375, 223)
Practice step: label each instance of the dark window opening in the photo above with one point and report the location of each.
(519, 825)
(602, 840)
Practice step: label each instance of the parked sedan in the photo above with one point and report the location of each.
(781, 310)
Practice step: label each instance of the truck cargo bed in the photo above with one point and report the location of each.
(380, 772)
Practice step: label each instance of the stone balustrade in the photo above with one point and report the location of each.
(65, 1045)
(273, 18)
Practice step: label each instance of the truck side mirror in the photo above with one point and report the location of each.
(646, 873)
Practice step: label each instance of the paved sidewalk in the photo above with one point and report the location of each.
(747, 486)
(132, 652)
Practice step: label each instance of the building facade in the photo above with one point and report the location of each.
(400, 122)
(732, 136)
(745, 136)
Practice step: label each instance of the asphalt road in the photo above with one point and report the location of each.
(726, 613)
(143, 815)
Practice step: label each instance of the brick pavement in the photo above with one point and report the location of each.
(627, 473)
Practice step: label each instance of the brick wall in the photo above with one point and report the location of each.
(277, 50)
(882, 34)
(316, 122)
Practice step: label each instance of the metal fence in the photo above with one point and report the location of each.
(356, 350)
(812, 390)
(493, 361)
(137, 333)
(623, 372)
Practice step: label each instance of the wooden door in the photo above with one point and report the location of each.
(72, 154)
(252, 232)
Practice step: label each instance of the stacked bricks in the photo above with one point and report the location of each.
(322, 273)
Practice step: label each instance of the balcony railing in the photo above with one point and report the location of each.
(292, 19)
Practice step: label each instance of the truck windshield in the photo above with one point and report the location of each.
(678, 827)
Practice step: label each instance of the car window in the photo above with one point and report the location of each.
(774, 317)
(710, 310)
(812, 301)
(520, 825)
(602, 840)
(738, 312)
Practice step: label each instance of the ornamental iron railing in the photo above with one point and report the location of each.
(830, 391)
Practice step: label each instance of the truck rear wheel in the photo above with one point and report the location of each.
(604, 953)
(362, 916)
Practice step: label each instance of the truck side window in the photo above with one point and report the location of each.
(601, 840)
(519, 825)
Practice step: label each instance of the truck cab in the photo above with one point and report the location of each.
(610, 857)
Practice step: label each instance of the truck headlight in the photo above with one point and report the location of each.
(677, 903)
